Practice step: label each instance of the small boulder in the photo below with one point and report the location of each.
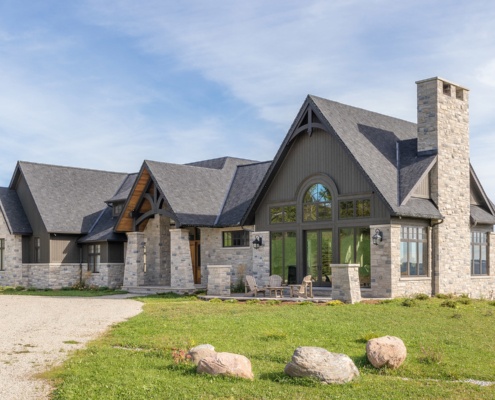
(227, 364)
(321, 364)
(199, 352)
(388, 351)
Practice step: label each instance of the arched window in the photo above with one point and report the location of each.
(317, 204)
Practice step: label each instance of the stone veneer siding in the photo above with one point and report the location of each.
(110, 275)
(157, 238)
(133, 270)
(243, 260)
(386, 280)
(345, 283)
(443, 126)
(181, 273)
(12, 275)
(218, 280)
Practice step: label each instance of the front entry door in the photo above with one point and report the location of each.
(319, 256)
(195, 248)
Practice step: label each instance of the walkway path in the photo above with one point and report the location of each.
(38, 332)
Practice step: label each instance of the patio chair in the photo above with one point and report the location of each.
(253, 287)
(304, 289)
(275, 286)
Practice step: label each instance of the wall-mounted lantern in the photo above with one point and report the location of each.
(378, 236)
(257, 242)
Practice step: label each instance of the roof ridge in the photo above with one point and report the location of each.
(75, 168)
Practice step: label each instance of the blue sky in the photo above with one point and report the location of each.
(107, 84)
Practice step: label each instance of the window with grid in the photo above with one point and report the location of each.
(37, 250)
(94, 254)
(2, 254)
(479, 265)
(413, 251)
(235, 239)
(317, 203)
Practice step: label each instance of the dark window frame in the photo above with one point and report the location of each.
(283, 214)
(235, 239)
(94, 257)
(410, 236)
(479, 241)
(317, 202)
(351, 208)
(2, 254)
(37, 250)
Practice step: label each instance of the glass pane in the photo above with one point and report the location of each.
(311, 195)
(227, 239)
(403, 259)
(363, 256)
(483, 260)
(289, 253)
(477, 256)
(323, 194)
(290, 214)
(413, 258)
(312, 254)
(421, 263)
(346, 246)
(326, 256)
(325, 211)
(363, 208)
(276, 216)
(276, 253)
(346, 209)
(309, 212)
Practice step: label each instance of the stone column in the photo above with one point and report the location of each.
(181, 273)
(261, 257)
(218, 280)
(345, 283)
(385, 261)
(133, 271)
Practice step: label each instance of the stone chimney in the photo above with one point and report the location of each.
(443, 129)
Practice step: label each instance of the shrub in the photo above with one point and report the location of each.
(409, 303)
(335, 303)
(464, 300)
(253, 301)
(491, 303)
(19, 288)
(444, 296)
(216, 300)
(306, 303)
(421, 296)
(231, 301)
(273, 302)
(449, 303)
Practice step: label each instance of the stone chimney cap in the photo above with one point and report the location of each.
(436, 78)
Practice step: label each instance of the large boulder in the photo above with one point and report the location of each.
(321, 364)
(226, 364)
(199, 352)
(388, 351)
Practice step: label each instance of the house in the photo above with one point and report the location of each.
(346, 186)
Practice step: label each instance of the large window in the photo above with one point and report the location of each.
(354, 208)
(317, 204)
(2, 254)
(283, 255)
(235, 239)
(94, 254)
(413, 251)
(283, 214)
(355, 249)
(478, 254)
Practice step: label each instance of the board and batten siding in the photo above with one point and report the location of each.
(319, 153)
(36, 222)
(64, 249)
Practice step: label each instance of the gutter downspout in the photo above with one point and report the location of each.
(433, 257)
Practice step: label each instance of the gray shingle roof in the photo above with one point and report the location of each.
(194, 192)
(11, 208)
(481, 216)
(102, 231)
(124, 190)
(244, 185)
(68, 199)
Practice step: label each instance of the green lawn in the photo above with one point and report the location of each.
(142, 358)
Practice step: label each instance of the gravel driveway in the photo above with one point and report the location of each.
(39, 332)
